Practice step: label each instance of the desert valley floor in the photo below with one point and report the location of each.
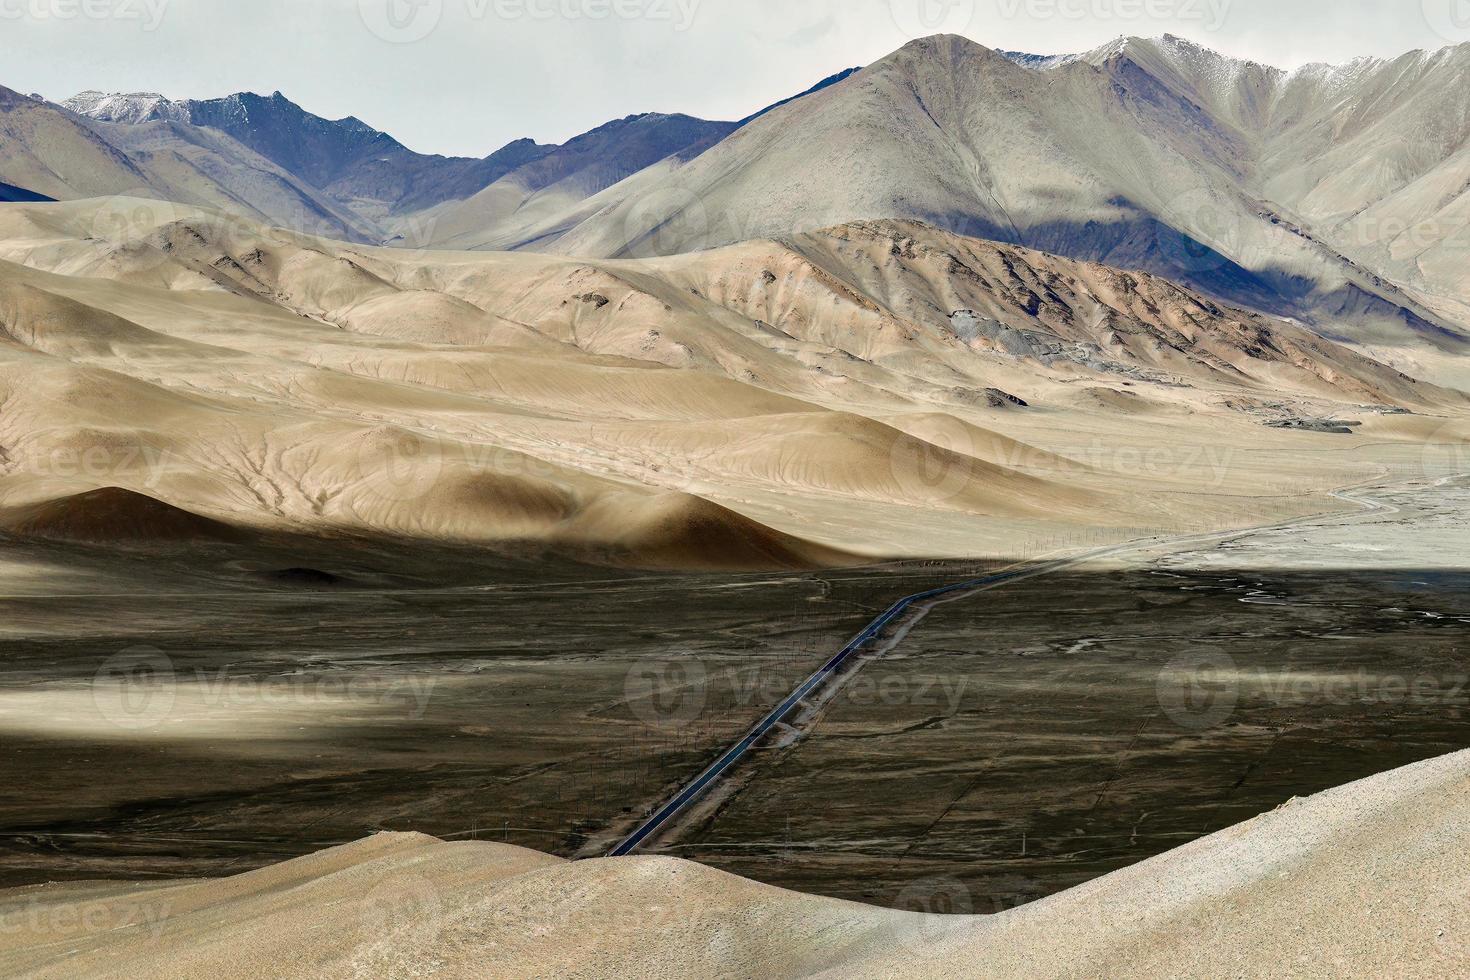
(1016, 742)
(483, 712)
(366, 581)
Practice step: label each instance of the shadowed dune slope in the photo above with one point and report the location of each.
(112, 515)
(683, 531)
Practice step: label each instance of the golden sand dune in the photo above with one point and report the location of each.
(848, 455)
(434, 318)
(1364, 880)
(878, 389)
(1120, 401)
(946, 431)
(44, 322)
(677, 530)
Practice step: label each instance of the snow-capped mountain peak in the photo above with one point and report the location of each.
(126, 107)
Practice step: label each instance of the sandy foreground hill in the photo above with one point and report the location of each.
(872, 390)
(1365, 880)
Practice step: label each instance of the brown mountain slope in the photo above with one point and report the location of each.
(1144, 154)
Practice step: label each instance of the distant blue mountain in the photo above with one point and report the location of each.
(10, 194)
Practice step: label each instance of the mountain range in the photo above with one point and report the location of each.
(345, 178)
(1331, 195)
(772, 332)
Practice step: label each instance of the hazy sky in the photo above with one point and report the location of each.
(467, 76)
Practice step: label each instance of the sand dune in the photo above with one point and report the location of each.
(113, 516)
(875, 390)
(1364, 880)
(683, 531)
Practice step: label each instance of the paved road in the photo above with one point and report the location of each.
(696, 787)
(711, 774)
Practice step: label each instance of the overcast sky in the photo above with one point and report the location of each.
(468, 76)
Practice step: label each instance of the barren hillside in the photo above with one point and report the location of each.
(873, 390)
